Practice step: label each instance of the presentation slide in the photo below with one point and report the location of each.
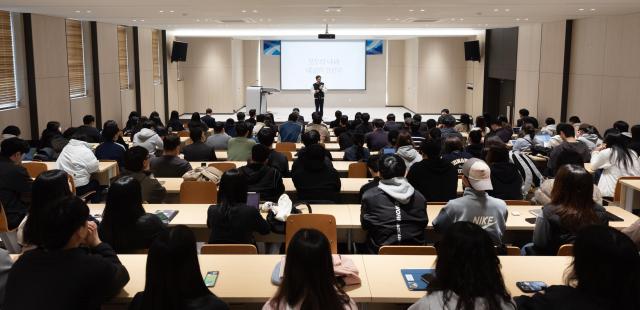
(342, 64)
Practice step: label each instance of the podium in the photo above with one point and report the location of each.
(256, 98)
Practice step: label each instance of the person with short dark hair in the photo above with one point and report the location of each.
(252, 117)
(174, 123)
(299, 117)
(465, 124)
(61, 274)
(239, 147)
(89, 129)
(170, 165)
(336, 122)
(317, 125)
(50, 135)
(240, 116)
(261, 177)
(475, 144)
(393, 213)
(575, 121)
(78, 160)
(109, 149)
(291, 130)
(374, 171)
(266, 136)
(454, 152)
(603, 275)
(590, 136)
(435, 178)
(173, 275)
(365, 127)
(356, 152)
(230, 127)
(499, 129)
(196, 121)
(219, 140)
(378, 138)
(343, 133)
(231, 221)
(417, 136)
(208, 118)
(313, 179)
(550, 127)
(526, 119)
(10, 131)
(136, 165)
(148, 138)
(318, 90)
(198, 150)
(506, 180)
(15, 182)
(569, 142)
(526, 139)
(125, 225)
(448, 129)
(391, 123)
(635, 139)
(622, 126)
(260, 122)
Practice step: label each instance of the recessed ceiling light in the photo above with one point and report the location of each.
(461, 19)
(453, 19)
(134, 20)
(339, 10)
(89, 11)
(388, 19)
(411, 10)
(507, 10)
(496, 10)
(244, 11)
(255, 11)
(580, 9)
(172, 11)
(526, 19)
(486, 25)
(77, 11)
(592, 10)
(517, 19)
(197, 20)
(421, 10)
(161, 11)
(142, 20)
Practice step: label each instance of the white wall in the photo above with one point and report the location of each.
(395, 72)
(528, 68)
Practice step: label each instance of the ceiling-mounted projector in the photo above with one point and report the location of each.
(326, 35)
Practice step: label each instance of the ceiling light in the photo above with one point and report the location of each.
(496, 10)
(517, 19)
(526, 19)
(486, 25)
(77, 11)
(580, 9)
(89, 11)
(172, 11)
(339, 10)
(411, 10)
(197, 20)
(244, 11)
(461, 19)
(421, 10)
(255, 11)
(507, 10)
(311, 32)
(134, 20)
(327, 10)
(592, 10)
(161, 11)
(388, 19)
(142, 20)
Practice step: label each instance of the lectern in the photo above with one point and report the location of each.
(256, 98)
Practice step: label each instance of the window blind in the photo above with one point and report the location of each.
(123, 57)
(7, 69)
(155, 50)
(75, 59)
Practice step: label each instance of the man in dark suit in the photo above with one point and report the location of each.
(89, 129)
(208, 119)
(318, 94)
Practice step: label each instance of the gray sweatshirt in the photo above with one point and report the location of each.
(476, 207)
(435, 301)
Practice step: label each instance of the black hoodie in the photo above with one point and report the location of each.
(506, 181)
(435, 179)
(264, 180)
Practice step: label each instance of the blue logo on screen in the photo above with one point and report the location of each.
(271, 47)
(374, 47)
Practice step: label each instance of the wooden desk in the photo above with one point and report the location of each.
(387, 286)
(242, 279)
(340, 166)
(630, 194)
(337, 155)
(106, 170)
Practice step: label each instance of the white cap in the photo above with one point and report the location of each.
(478, 173)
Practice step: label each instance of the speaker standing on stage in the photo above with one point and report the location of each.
(318, 91)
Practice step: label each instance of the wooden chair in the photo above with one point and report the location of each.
(198, 192)
(407, 250)
(565, 250)
(9, 237)
(287, 154)
(4, 223)
(242, 249)
(357, 170)
(617, 194)
(512, 250)
(285, 147)
(518, 202)
(72, 183)
(325, 223)
(224, 167)
(35, 168)
(183, 134)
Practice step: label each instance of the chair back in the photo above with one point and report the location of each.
(512, 250)
(325, 223)
(183, 134)
(287, 154)
(242, 249)
(4, 223)
(407, 250)
(518, 202)
(223, 166)
(72, 183)
(618, 191)
(35, 168)
(357, 170)
(198, 192)
(565, 250)
(285, 147)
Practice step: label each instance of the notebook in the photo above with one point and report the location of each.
(166, 215)
(413, 278)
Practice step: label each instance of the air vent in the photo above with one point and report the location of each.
(425, 20)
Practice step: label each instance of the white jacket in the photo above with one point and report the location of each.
(607, 161)
(77, 159)
(149, 140)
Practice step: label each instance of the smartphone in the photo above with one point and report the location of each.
(253, 200)
(531, 286)
(211, 278)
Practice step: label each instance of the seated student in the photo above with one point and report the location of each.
(261, 177)
(550, 127)
(313, 179)
(148, 138)
(466, 246)
(266, 136)
(571, 209)
(239, 148)
(505, 177)
(405, 149)
(568, 135)
(393, 213)
(364, 127)
(109, 149)
(125, 224)
(374, 171)
(391, 123)
(252, 117)
(155, 117)
(198, 150)
(335, 123)
(526, 139)
(303, 287)
(603, 275)
(481, 124)
(635, 139)
(132, 122)
(170, 165)
(77, 160)
(344, 134)
(475, 144)
(356, 152)
(60, 274)
(51, 133)
(542, 195)
(259, 124)
(357, 120)
(136, 165)
(475, 205)
(196, 122)
(89, 129)
(174, 123)
(454, 152)
(377, 139)
(231, 220)
(465, 124)
(299, 117)
(208, 118)
(290, 130)
(417, 136)
(15, 182)
(589, 135)
(230, 127)
(499, 129)
(435, 178)
(310, 138)
(173, 277)
(317, 125)
(616, 160)
(10, 132)
(240, 116)
(448, 127)
(219, 139)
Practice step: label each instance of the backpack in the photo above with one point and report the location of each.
(203, 174)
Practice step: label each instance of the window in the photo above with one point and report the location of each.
(123, 57)
(7, 69)
(155, 50)
(75, 59)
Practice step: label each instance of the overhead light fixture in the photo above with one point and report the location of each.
(421, 10)
(411, 10)
(161, 11)
(89, 11)
(134, 20)
(172, 11)
(507, 10)
(461, 19)
(308, 33)
(333, 9)
(142, 20)
(244, 11)
(255, 11)
(517, 19)
(77, 11)
(592, 10)
(496, 10)
(580, 9)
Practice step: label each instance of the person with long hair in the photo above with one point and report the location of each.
(48, 186)
(174, 123)
(405, 149)
(132, 122)
(604, 274)
(312, 288)
(481, 124)
(467, 273)
(196, 121)
(231, 221)
(173, 277)
(465, 123)
(616, 160)
(356, 152)
(571, 208)
(125, 224)
(51, 132)
(526, 139)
